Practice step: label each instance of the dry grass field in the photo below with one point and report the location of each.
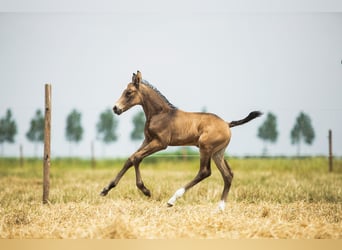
(269, 198)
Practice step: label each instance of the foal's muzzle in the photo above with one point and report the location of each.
(117, 110)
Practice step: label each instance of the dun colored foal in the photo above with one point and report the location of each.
(166, 126)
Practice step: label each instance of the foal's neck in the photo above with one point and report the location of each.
(153, 103)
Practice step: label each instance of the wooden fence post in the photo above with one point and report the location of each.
(330, 152)
(21, 155)
(93, 161)
(47, 140)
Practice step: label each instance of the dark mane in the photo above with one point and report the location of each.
(159, 93)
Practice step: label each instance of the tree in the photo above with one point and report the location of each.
(74, 130)
(139, 126)
(36, 132)
(8, 129)
(302, 131)
(106, 127)
(268, 131)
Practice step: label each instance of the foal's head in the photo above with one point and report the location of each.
(130, 96)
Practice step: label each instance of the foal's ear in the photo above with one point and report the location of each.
(137, 78)
(134, 77)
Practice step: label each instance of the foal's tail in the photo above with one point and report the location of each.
(250, 117)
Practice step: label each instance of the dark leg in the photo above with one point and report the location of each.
(226, 173)
(229, 169)
(116, 180)
(140, 183)
(129, 163)
(146, 149)
(204, 172)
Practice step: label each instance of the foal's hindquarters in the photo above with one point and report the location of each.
(213, 136)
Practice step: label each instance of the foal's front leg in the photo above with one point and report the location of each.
(140, 183)
(129, 163)
(116, 180)
(143, 152)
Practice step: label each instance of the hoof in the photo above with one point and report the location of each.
(147, 193)
(169, 205)
(104, 192)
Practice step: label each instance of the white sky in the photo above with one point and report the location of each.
(231, 62)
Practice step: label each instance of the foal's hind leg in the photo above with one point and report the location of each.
(226, 173)
(204, 172)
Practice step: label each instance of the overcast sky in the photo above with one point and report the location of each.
(230, 62)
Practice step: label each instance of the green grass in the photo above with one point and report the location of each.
(279, 180)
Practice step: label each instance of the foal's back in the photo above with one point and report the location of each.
(189, 128)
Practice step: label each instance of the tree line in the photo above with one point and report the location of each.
(106, 129)
(301, 132)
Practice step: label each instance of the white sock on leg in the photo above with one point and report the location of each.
(178, 193)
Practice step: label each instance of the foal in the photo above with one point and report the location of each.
(168, 126)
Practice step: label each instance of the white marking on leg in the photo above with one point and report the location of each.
(221, 205)
(179, 193)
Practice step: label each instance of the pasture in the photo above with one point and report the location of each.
(269, 198)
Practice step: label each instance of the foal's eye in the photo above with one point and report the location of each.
(128, 93)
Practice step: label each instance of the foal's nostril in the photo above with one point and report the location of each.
(117, 110)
